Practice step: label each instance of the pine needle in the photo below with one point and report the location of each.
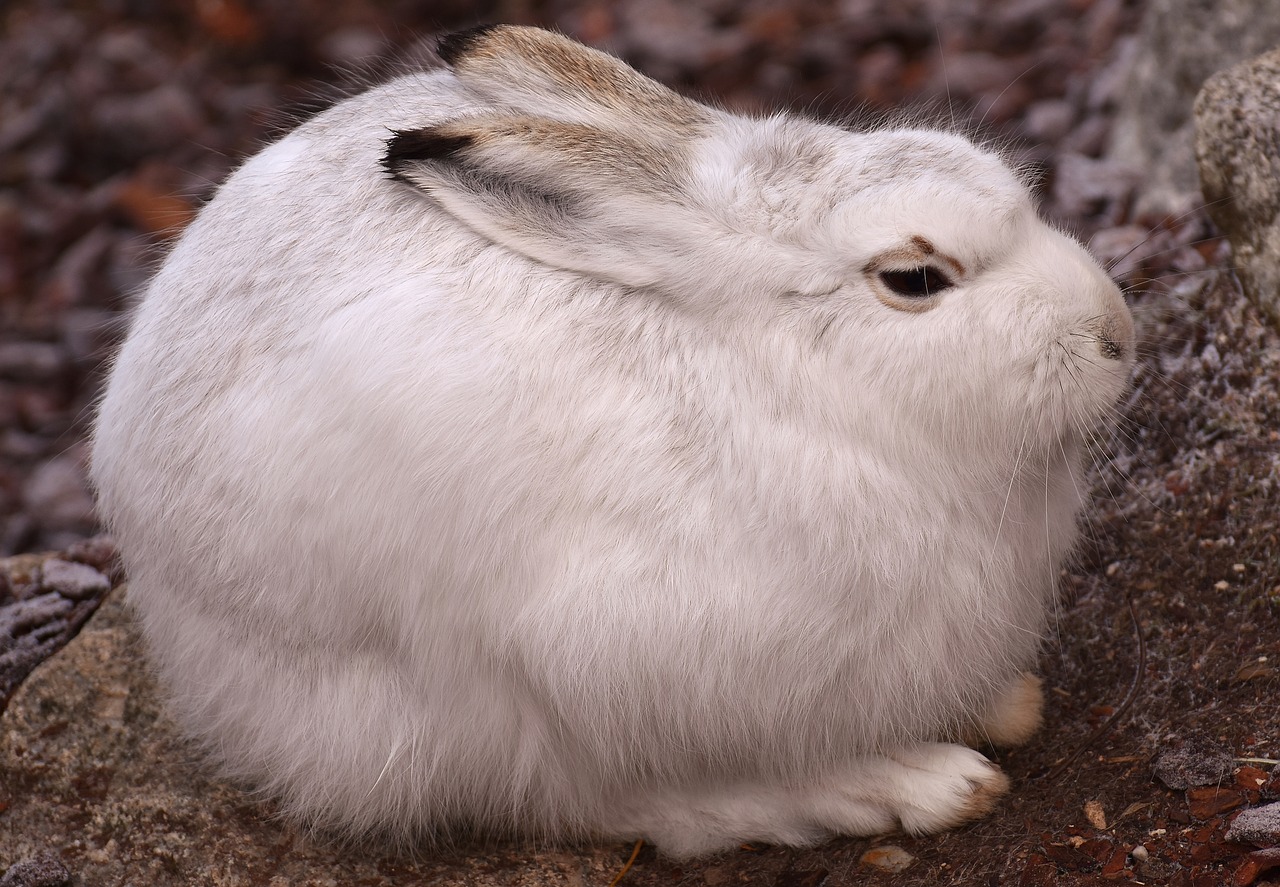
(630, 862)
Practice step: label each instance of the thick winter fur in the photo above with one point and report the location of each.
(523, 446)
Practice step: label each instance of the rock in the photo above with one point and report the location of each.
(1259, 826)
(43, 871)
(1181, 44)
(21, 618)
(72, 580)
(1049, 120)
(39, 617)
(1238, 152)
(98, 551)
(1194, 762)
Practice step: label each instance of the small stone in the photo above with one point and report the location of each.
(1095, 814)
(1194, 762)
(1259, 826)
(72, 580)
(43, 871)
(99, 551)
(1082, 183)
(24, 616)
(888, 858)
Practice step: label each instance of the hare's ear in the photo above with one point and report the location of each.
(539, 72)
(568, 195)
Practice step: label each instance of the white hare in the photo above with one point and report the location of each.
(524, 446)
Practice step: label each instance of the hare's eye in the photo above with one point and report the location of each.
(916, 283)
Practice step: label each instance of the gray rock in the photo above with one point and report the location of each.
(43, 871)
(1182, 43)
(1193, 762)
(72, 580)
(1259, 826)
(1238, 151)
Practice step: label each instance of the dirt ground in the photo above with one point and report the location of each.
(118, 117)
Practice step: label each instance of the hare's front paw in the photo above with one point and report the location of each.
(925, 787)
(1013, 717)
(943, 785)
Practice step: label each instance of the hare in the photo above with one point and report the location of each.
(523, 446)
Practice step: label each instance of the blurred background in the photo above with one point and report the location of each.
(119, 117)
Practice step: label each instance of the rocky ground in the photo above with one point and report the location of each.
(118, 118)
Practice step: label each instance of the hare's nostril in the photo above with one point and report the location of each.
(1109, 347)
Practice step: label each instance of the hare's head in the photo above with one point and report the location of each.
(914, 253)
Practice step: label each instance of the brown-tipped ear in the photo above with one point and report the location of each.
(456, 44)
(548, 74)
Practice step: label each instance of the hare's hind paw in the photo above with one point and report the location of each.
(1013, 717)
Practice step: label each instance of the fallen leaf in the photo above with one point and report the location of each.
(888, 858)
(1255, 864)
(1254, 671)
(1209, 801)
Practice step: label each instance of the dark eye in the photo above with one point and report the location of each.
(916, 283)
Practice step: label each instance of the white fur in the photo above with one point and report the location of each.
(664, 523)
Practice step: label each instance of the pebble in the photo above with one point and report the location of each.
(43, 871)
(1094, 812)
(23, 616)
(1194, 762)
(1259, 826)
(72, 580)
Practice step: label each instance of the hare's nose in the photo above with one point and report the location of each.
(1115, 337)
(1109, 347)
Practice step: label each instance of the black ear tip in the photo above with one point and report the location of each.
(452, 47)
(417, 145)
